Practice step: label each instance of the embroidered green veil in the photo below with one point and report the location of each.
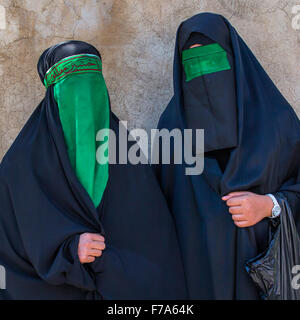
(82, 98)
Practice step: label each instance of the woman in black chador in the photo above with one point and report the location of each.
(251, 152)
(73, 226)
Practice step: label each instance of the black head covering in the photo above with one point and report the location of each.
(44, 209)
(60, 51)
(260, 143)
(264, 117)
(209, 101)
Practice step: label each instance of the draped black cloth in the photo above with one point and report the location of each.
(256, 148)
(44, 209)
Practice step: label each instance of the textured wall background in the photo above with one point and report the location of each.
(136, 39)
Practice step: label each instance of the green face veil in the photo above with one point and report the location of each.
(204, 60)
(81, 94)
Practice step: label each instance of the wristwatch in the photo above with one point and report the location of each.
(276, 208)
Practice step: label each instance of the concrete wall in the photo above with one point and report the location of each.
(136, 40)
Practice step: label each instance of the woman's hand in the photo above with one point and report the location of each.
(90, 246)
(248, 208)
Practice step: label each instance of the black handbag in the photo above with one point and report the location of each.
(276, 271)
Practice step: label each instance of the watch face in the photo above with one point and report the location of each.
(276, 210)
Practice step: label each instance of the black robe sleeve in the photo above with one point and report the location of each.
(29, 241)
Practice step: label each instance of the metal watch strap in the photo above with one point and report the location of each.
(276, 208)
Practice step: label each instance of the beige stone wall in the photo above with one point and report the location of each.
(136, 40)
